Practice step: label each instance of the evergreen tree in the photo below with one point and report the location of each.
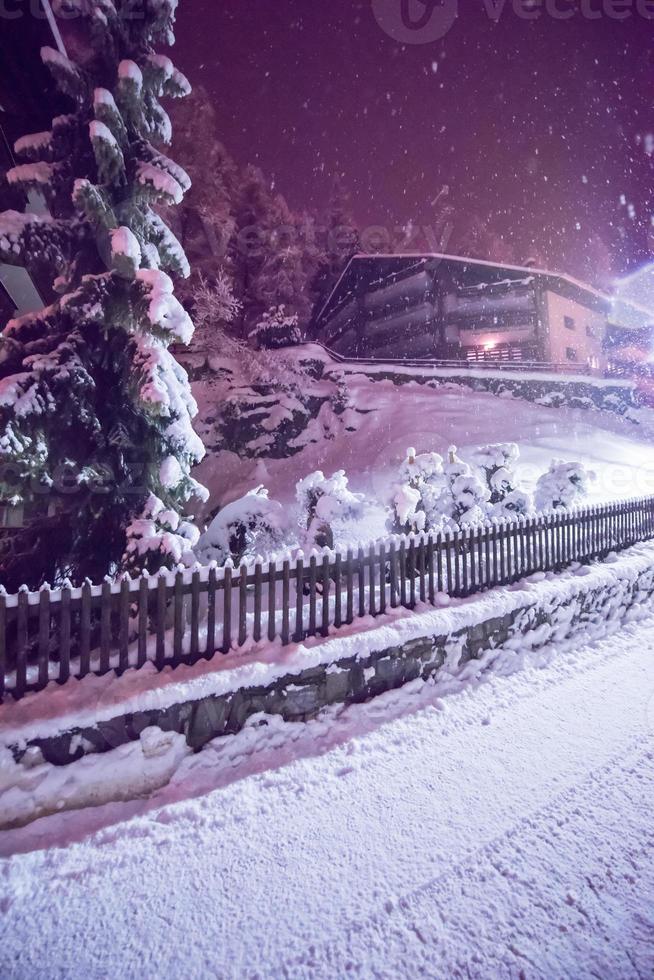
(95, 414)
(341, 241)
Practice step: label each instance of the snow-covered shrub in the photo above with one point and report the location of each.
(253, 525)
(563, 486)
(276, 329)
(416, 499)
(418, 469)
(498, 462)
(326, 505)
(464, 499)
(406, 503)
(552, 399)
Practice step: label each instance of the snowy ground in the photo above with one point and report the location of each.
(502, 832)
(431, 419)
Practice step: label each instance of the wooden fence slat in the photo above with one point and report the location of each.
(338, 616)
(298, 636)
(22, 638)
(211, 613)
(123, 628)
(243, 606)
(64, 635)
(392, 564)
(382, 578)
(105, 628)
(258, 598)
(313, 586)
(44, 636)
(286, 594)
(325, 595)
(361, 587)
(195, 616)
(144, 601)
(350, 586)
(178, 617)
(430, 569)
(403, 571)
(227, 611)
(422, 569)
(162, 596)
(411, 571)
(272, 601)
(372, 583)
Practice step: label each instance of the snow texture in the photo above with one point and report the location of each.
(501, 830)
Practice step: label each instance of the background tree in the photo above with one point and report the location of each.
(341, 240)
(95, 414)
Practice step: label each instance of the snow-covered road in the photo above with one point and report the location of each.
(505, 831)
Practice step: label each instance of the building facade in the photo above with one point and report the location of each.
(451, 308)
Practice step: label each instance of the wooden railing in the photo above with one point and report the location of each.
(175, 619)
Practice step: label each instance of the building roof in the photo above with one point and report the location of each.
(390, 265)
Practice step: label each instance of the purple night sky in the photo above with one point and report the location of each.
(541, 125)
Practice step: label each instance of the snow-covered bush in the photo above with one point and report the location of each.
(563, 486)
(406, 504)
(498, 462)
(253, 525)
(416, 499)
(464, 499)
(276, 329)
(326, 505)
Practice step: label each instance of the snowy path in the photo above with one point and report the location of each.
(505, 831)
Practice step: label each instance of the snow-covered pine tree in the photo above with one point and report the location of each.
(96, 442)
(341, 241)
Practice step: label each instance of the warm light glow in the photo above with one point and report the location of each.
(490, 345)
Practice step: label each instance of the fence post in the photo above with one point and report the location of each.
(338, 618)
